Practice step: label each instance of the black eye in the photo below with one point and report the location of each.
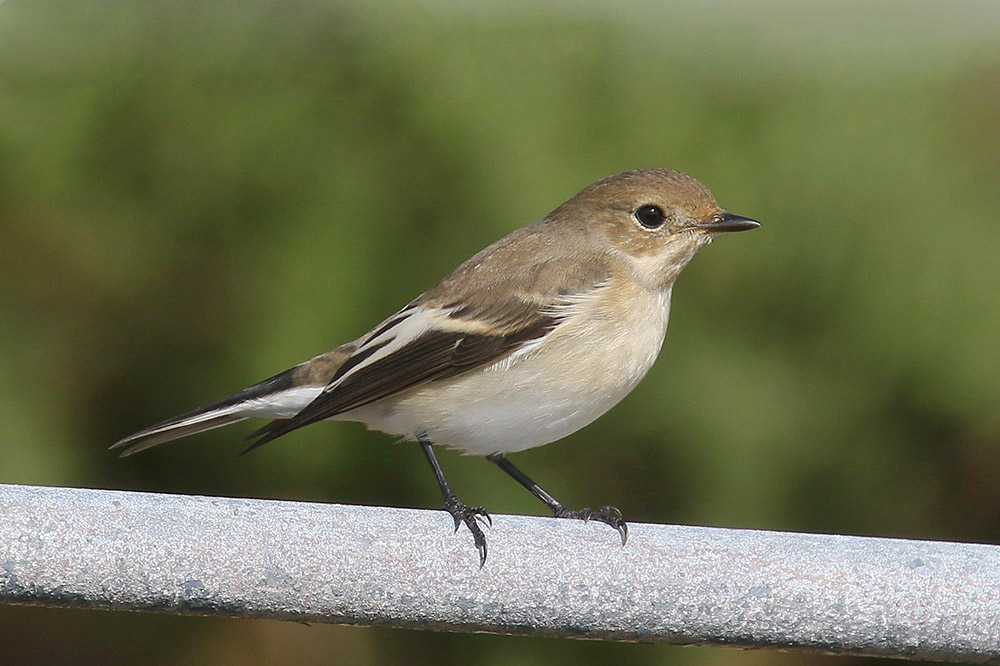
(650, 216)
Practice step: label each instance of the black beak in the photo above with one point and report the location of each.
(728, 222)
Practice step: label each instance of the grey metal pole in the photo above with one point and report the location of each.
(406, 568)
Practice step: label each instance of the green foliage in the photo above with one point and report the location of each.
(198, 195)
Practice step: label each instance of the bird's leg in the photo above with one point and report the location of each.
(459, 511)
(608, 514)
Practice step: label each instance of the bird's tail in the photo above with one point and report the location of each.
(276, 397)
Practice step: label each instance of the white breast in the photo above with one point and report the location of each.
(585, 366)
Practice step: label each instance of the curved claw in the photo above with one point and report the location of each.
(483, 514)
(470, 516)
(613, 517)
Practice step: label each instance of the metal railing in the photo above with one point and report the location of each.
(406, 568)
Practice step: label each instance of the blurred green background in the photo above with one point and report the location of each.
(194, 196)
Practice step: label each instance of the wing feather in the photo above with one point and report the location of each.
(433, 355)
(459, 325)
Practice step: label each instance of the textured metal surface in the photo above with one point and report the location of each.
(406, 568)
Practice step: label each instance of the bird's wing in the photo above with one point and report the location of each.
(458, 326)
(416, 346)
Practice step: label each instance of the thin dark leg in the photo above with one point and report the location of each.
(608, 514)
(459, 511)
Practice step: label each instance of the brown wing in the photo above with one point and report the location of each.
(471, 326)
(435, 355)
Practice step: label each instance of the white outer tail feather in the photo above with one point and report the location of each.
(281, 404)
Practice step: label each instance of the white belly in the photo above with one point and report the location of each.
(585, 367)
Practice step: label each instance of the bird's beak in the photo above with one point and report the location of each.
(724, 222)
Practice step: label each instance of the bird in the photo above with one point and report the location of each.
(526, 342)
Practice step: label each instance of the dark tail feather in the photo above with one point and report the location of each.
(172, 429)
(264, 434)
(215, 415)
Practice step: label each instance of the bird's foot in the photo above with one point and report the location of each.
(608, 515)
(471, 516)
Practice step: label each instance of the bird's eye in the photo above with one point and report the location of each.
(650, 216)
